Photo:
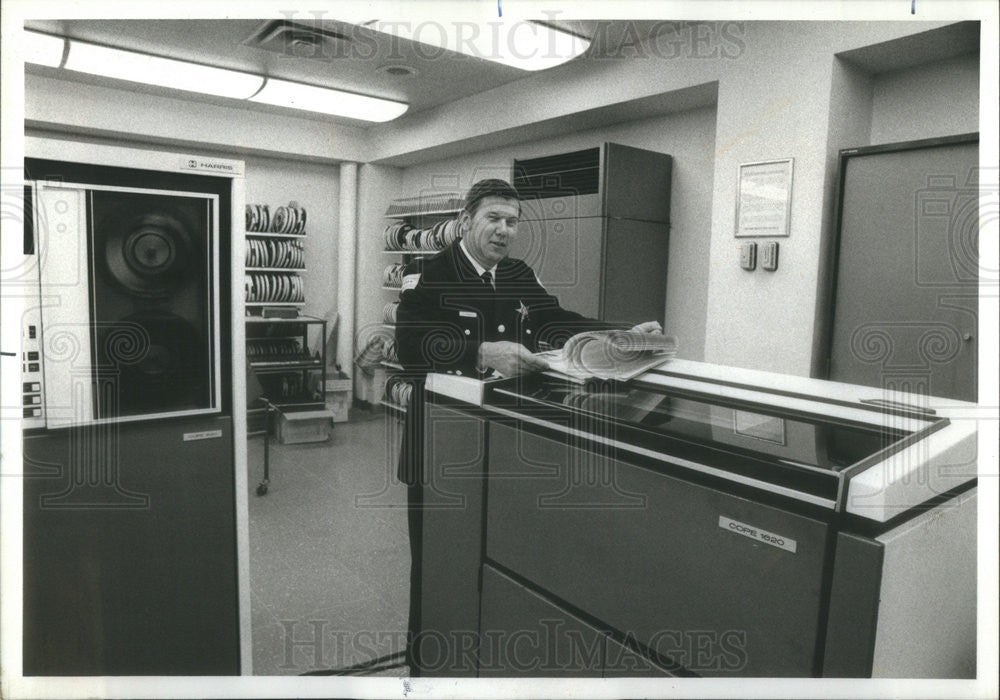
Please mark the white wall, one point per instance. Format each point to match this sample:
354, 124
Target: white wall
689, 138
929, 100
774, 104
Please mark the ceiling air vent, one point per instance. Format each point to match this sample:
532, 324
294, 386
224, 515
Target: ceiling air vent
300, 40
560, 175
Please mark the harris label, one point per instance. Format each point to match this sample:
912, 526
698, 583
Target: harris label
225, 167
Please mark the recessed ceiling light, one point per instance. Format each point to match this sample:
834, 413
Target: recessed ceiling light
121, 64
528, 45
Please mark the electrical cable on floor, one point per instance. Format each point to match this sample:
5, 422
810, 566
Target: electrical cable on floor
382, 663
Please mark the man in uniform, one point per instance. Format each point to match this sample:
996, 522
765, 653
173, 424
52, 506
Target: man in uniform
472, 311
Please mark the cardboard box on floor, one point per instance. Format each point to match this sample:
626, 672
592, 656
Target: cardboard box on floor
338, 397
304, 426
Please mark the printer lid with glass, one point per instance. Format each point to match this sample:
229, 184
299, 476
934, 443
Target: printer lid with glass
799, 446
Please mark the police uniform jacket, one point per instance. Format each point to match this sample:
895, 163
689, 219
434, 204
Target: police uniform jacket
446, 311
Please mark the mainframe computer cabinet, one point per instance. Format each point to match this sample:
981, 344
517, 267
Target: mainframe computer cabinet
595, 227
134, 490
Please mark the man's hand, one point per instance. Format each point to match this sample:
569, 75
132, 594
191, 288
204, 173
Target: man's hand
509, 359
648, 327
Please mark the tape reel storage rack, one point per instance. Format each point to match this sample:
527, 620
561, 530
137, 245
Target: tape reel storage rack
278, 335
417, 227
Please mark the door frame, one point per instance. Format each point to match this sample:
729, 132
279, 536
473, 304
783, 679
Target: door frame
826, 307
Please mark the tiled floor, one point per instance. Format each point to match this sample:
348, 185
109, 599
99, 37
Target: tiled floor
329, 554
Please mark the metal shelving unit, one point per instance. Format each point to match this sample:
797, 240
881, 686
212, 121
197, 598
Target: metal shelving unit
292, 378
421, 213
278, 352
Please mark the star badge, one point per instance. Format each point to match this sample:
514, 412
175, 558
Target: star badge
523, 311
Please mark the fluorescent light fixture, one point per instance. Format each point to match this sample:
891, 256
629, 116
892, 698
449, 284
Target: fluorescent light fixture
527, 45
313, 98
165, 72
135, 67
43, 49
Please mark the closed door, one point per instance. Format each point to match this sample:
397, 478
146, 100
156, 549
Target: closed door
905, 306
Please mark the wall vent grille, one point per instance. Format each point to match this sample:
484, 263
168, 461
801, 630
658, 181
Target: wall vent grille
578, 172
299, 40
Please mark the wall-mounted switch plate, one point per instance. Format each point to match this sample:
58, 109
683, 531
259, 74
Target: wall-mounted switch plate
769, 256
748, 256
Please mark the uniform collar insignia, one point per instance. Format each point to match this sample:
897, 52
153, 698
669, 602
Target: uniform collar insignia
523, 310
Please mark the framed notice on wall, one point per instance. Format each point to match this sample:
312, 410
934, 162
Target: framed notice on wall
764, 198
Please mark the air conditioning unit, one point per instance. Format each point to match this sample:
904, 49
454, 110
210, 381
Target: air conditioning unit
595, 227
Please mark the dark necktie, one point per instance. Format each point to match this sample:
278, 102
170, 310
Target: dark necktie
490, 302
